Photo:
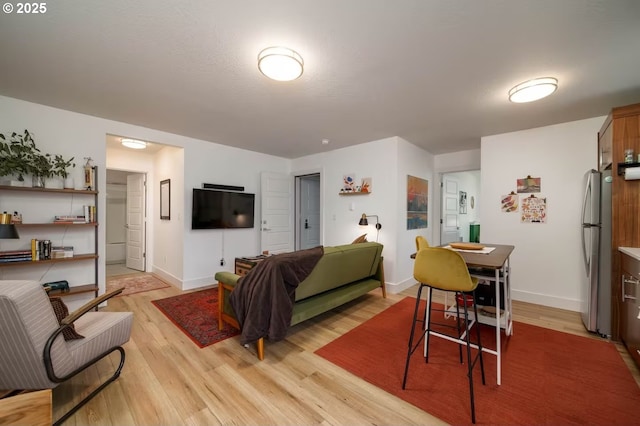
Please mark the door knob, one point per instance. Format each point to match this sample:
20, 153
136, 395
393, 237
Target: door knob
306, 224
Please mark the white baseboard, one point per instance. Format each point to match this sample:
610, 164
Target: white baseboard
546, 300
395, 288
167, 277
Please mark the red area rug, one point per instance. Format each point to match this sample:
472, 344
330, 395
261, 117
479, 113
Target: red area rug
548, 377
196, 314
136, 283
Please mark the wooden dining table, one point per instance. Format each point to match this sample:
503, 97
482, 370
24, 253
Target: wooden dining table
493, 267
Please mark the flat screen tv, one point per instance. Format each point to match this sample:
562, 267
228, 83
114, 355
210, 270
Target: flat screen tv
221, 209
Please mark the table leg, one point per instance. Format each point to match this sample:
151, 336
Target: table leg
498, 348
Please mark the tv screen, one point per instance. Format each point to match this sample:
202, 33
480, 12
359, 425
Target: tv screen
221, 209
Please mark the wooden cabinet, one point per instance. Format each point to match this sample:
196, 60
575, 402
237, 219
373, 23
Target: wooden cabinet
622, 129
38, 207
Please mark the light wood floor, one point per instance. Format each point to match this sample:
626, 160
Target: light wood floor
168, 380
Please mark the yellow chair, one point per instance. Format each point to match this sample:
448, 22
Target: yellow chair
421, 242
446, 270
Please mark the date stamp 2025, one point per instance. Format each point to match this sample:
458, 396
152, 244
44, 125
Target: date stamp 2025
24, 8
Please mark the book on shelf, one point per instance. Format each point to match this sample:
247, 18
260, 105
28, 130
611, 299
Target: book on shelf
90, 213
60, 252
70, 219
40, 249
15, 256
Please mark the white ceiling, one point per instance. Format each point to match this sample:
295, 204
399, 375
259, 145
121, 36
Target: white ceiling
434, 72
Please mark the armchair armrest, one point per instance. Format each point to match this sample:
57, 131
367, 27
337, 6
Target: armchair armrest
73, 316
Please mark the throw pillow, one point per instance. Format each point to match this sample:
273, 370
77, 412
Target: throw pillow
361, 239
61, 312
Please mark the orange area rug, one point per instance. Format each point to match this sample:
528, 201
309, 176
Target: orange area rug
135, 283
548, 377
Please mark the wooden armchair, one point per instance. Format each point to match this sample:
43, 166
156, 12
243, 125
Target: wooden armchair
34, 350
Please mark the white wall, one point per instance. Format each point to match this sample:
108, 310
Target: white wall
73, 134
547, 261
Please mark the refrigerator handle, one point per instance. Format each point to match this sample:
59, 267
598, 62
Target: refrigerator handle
584, 208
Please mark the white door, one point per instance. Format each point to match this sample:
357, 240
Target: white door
450, 231
309, 218
135, 221
276, 223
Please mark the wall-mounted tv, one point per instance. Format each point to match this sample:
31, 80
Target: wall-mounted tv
221, 209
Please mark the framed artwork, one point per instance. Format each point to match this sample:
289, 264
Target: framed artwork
165, 199
417, 195
349, 182
463, 202
534, 210
509, 203
528, 185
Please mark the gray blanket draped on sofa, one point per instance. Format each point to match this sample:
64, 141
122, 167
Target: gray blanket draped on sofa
263, 299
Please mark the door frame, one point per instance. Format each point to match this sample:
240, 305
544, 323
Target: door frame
297, 220
145, 241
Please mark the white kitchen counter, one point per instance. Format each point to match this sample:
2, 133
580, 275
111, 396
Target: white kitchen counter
631, 251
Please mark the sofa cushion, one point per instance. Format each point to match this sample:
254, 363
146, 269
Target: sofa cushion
341, 265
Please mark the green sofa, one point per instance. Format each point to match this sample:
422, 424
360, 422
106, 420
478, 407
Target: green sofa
342, 274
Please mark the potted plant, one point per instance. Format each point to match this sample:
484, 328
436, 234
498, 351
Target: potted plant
41, 167
15, 154
60, 166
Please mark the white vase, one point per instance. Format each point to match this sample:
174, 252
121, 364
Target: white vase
37, 181
69, 183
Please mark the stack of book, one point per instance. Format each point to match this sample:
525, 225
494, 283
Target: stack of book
15, 256
90, 213
69, 219
40, 249
59, 252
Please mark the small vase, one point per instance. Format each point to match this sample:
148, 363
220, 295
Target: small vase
37, 181
69, 183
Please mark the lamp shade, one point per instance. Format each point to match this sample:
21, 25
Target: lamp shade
363, 220
533, 90
280, 63
8, 232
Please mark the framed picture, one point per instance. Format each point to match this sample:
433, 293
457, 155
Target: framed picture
463, 202
417, 195
165, 199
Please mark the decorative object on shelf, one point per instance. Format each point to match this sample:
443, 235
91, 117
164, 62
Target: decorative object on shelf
366, 185
528, 185
534, 210
509, 203
165, 199
628, 155
417, 196
349, 182
15, 155
60, 167
89, 175
5, 218
463, 202
364, 222
41, 168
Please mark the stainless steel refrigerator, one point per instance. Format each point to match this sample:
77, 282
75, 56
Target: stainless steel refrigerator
596, 250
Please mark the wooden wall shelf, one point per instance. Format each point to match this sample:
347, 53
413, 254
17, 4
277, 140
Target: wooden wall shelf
623, 166
354, 193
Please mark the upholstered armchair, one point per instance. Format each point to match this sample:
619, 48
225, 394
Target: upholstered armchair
38, 351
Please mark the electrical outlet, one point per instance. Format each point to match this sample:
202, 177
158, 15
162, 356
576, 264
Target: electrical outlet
222, 262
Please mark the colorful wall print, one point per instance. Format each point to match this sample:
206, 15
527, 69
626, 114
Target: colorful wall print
509, 203
417, 194
534, 210
366, 185
528, 185
349, 182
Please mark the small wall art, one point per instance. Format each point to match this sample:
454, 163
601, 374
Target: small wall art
349, 182
534, 210
509, 202
417, 196
463, 202
165, 199
366, 185
528, 185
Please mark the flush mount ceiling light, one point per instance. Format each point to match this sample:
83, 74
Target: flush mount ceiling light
280, 63
533, 90
135, 144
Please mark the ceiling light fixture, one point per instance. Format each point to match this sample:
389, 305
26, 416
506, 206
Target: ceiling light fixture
533, 90
280, 63
135, 144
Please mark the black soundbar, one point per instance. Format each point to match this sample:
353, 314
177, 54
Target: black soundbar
222, 187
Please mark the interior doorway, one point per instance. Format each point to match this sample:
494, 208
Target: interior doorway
460, 198
125, 241
307, 218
